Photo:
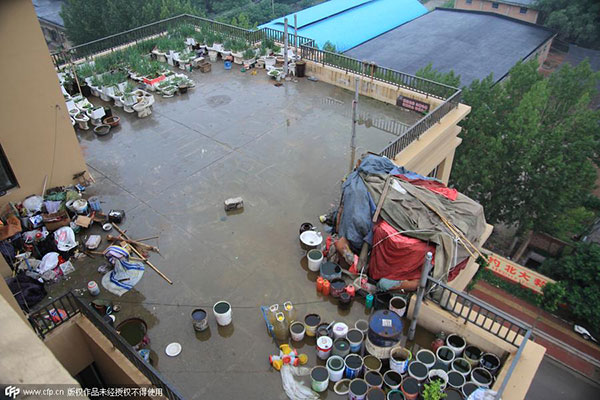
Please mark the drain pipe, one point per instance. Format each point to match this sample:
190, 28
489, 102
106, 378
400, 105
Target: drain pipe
297, 53
420, 295
285, 47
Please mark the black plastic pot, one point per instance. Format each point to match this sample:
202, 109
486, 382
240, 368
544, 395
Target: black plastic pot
86, 91
107, 112
300, 68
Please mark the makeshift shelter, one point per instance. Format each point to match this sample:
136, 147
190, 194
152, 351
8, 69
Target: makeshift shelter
408, 225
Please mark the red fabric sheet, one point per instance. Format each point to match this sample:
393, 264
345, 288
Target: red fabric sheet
434, 186
400, 257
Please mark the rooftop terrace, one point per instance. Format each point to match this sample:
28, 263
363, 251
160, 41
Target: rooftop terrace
284, 150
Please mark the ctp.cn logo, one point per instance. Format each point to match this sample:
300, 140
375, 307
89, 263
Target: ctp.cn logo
12, 392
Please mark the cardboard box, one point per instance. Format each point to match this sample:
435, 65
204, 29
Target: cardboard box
56, 220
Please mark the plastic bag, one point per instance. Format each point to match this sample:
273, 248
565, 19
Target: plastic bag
49, 261
52, 206
296, 390
33, 204
67, 267
65, 238
483, 394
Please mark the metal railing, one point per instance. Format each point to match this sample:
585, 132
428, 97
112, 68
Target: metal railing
382, 74
49, 316
415, 131
483, 315
450, 95
148, 31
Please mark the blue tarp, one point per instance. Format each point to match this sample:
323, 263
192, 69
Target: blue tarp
348, 23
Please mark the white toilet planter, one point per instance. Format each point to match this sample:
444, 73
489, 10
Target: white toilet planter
82, 121
269, 61
143, 107
96, 115
238, 57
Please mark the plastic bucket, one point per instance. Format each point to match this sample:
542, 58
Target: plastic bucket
335, 366
341, 347
311, 321
80, 206
456, 380
399, 359
319, 379
374, 379
490, 361
461, 366
340, 330
445, 355
133, 330
372, 363
222, 310
354, 365
362, 325
395, 395
315, 258
93, 288
439, 375
418, 370
358, 389
324, 345
375, 393
468, 388
398, 305
473, 354
297, 331
410, 388
392, 380
426, 357
199, 319
355, 338
456, 343
481, 377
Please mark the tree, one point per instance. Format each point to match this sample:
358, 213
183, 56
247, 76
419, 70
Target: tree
83, 24
575, 20
578, 276
428, 72
529, 145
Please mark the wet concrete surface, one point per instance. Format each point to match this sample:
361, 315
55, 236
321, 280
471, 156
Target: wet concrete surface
284, 150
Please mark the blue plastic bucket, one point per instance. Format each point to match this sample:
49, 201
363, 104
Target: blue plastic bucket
354, 365
227, 64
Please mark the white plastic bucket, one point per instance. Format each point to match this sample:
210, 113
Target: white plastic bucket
335, 366
445, 355
399, 359
358, 389
222, 310
297, 331
398, 305
355, 338
319, 379
315, 259
340, 330
456, 343
324, 345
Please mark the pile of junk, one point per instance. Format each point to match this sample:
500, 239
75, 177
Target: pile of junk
42, 236
388, 219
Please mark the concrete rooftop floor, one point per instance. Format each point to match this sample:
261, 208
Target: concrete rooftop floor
284, 150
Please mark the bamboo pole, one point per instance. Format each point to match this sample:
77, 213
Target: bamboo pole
141, 256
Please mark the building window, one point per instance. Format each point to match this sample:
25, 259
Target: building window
523, 10
7, 178
469, 1
494, 5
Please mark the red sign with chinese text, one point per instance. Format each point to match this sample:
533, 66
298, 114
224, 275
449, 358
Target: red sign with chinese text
517, 273
412, 104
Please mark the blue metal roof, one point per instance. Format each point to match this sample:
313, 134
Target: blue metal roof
348, 23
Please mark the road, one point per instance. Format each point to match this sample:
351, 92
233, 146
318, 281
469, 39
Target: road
554, 381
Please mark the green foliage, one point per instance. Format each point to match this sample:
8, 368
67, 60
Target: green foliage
571, 222
529, 143
576, 20
450, 78
249, 54
513, 288
554, 295
448, 4
330, 47
578, 277
433, 391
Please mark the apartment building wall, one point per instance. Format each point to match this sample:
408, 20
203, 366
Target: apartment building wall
37, 137
510, 10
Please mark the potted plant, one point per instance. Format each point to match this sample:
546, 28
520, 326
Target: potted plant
96, 83
249, 56
82, 121
433, 391
226, 49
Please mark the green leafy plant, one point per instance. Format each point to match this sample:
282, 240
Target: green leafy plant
433, 391
249, 54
